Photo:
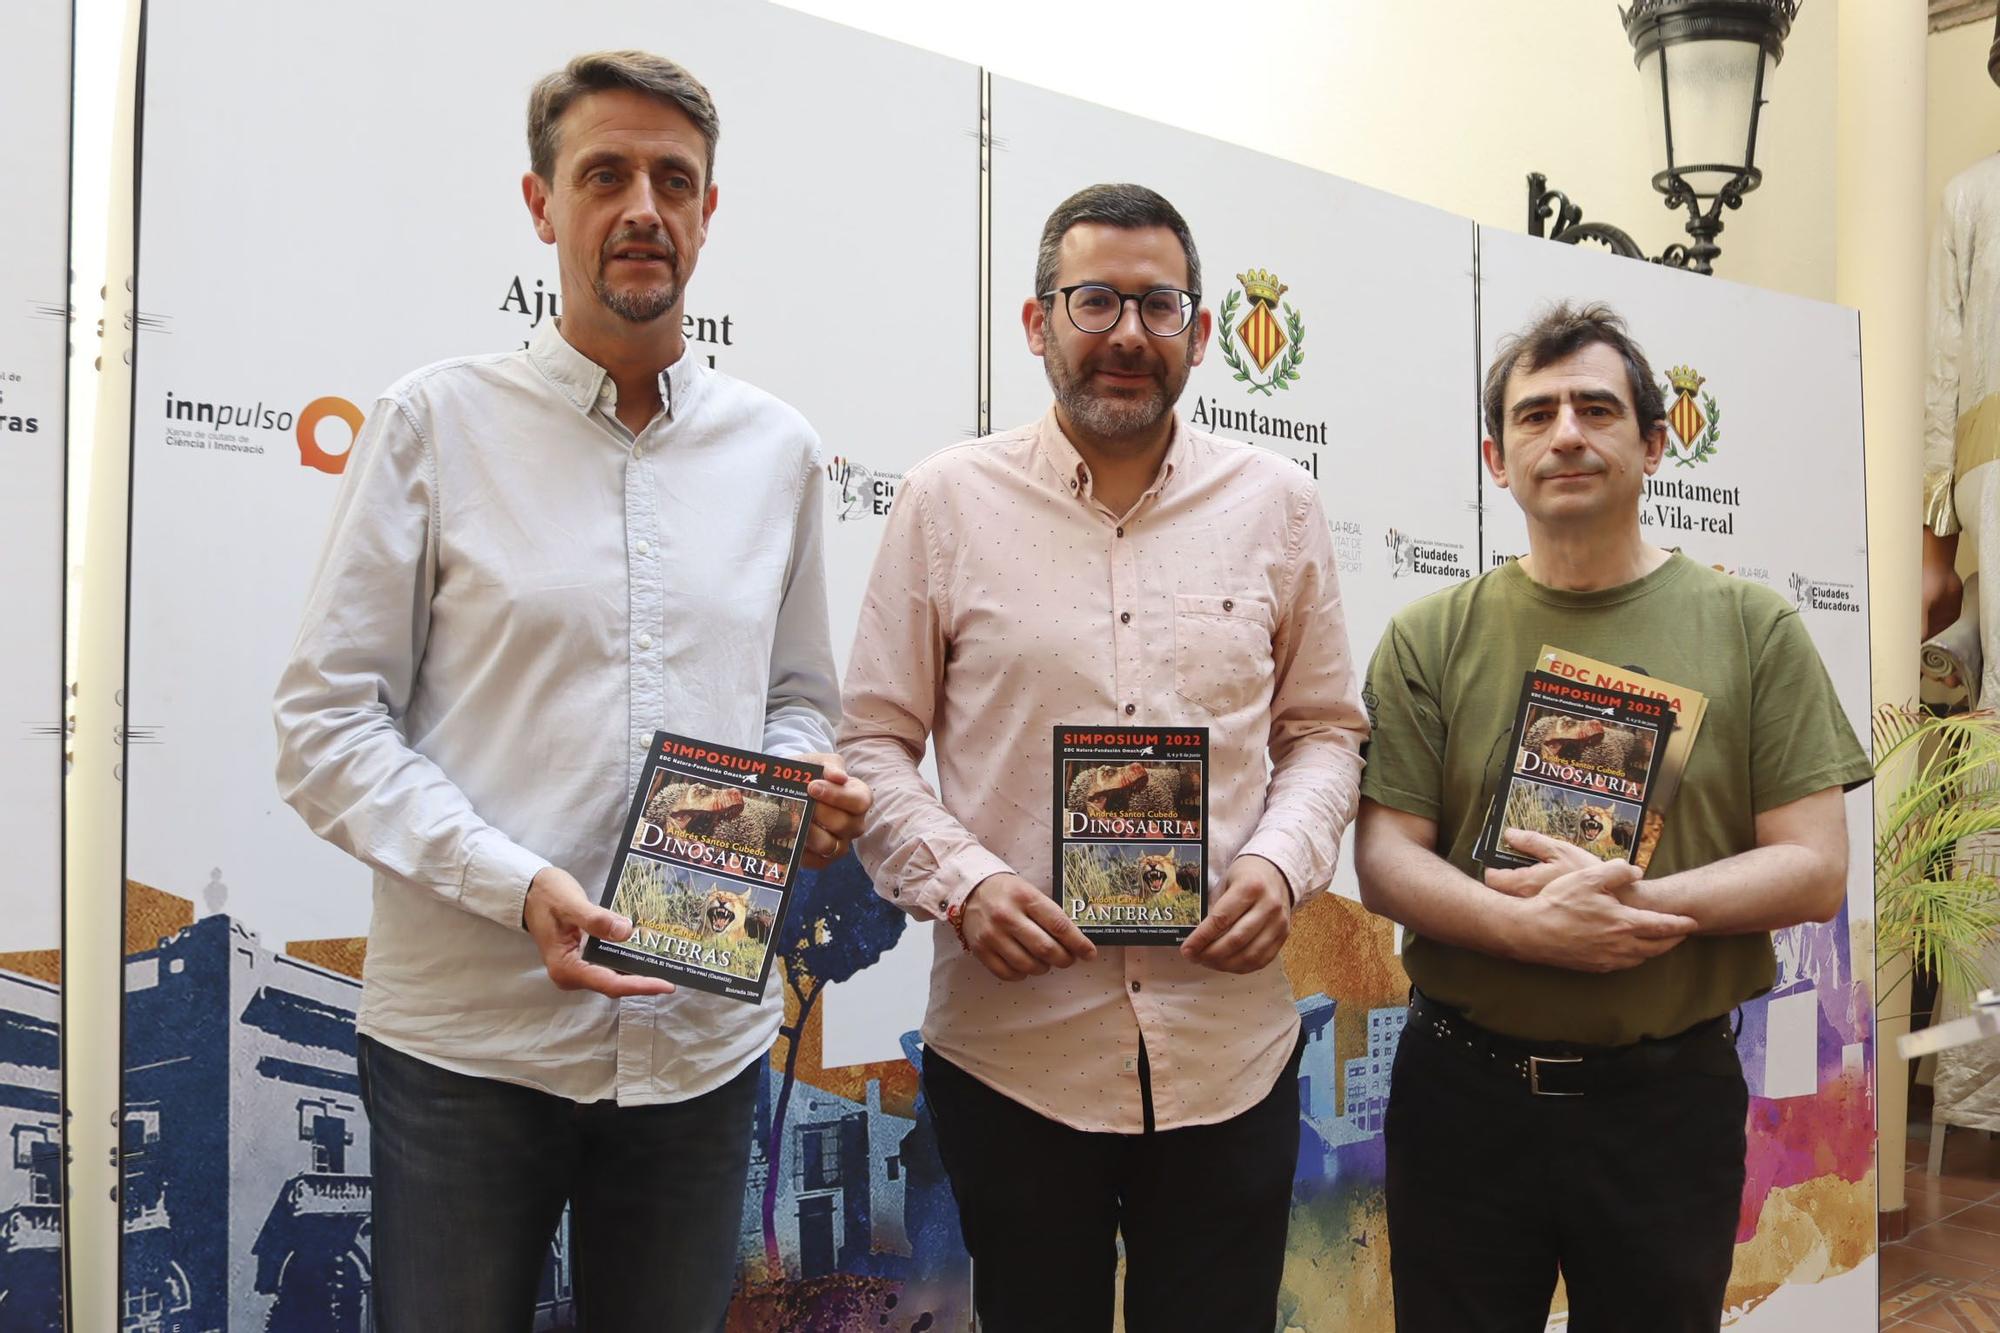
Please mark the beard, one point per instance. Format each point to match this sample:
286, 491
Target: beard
1111, 417
646, 304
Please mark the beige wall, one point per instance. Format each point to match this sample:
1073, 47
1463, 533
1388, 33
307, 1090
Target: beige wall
1451, 102
1962, 117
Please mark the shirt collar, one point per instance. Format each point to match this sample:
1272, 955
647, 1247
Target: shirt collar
1073, 474
588, 386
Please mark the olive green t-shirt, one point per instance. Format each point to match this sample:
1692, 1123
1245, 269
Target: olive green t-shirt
1442, 693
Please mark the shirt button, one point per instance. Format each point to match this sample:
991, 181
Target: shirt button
1135, 988
1124, 617
1228, 605
1131, 709
645, 548
645, 641
1121, 532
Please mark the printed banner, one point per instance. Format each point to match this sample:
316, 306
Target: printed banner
842, 273
1343, 325
1762, 479
1342, 341
34, 353
383, 230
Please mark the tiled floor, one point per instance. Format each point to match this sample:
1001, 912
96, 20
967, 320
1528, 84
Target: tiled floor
1946, 1273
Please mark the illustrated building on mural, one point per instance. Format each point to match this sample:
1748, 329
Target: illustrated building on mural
1341, 1136
31, 1174
842, 1187
243, 1134
243, 1128
1368, 1075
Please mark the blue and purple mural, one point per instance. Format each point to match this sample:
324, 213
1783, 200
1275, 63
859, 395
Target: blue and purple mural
31, 1172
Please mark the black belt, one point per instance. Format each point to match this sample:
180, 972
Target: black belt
1554, 1069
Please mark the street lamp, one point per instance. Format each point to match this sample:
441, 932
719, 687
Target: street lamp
1707, 66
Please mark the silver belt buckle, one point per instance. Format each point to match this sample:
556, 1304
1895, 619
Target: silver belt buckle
1535, 1063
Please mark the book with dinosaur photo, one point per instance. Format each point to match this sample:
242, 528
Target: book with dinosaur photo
706, 867
1583, 767
1690, 707
1131, 831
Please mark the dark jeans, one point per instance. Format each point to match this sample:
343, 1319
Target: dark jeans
471, 1176
1632, 1192
1203, 1210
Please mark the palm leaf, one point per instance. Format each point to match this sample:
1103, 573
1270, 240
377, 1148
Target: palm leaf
1936, 895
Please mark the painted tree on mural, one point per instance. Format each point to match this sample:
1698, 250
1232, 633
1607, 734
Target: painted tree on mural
839, 925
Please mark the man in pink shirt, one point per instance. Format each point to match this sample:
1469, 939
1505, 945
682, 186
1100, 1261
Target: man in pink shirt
1108, 565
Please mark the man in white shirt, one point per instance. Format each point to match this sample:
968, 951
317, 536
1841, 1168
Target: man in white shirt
537, 559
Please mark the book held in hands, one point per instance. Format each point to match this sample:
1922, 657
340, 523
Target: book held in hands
1583, 762
1131, 831
1689, 707
706, 868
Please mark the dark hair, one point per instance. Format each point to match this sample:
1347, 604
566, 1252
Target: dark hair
1128, 206
603, 71
1560, 331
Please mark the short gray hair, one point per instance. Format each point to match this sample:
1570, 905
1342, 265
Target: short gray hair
603, 71
1128, 206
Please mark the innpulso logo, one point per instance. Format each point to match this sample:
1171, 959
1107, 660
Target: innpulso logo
231, 426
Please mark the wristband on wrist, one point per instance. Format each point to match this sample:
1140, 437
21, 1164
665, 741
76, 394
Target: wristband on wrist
955, 914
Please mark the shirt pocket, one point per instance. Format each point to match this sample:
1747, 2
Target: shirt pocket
1222, 649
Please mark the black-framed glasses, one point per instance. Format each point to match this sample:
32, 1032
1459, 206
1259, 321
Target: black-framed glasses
1096, 308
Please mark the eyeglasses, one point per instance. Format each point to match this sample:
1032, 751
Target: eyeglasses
1096, 308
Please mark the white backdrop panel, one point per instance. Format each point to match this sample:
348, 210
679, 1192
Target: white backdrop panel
368, 220
1779, 496
1381, 408
34, 333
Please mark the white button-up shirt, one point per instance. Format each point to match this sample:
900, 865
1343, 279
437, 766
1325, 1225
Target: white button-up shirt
516, 592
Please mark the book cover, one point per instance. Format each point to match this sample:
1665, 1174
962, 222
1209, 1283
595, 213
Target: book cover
1131, 831
1583, 763
706, 866
1690, 707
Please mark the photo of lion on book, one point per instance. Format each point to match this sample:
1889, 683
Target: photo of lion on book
1604, 827
1152, 876
696, 919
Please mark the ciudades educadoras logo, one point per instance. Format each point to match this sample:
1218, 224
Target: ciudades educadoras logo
1817, 595
860, 492
1274, 347
1419, 555
1697, 428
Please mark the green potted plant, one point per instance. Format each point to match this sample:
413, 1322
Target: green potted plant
1934, 909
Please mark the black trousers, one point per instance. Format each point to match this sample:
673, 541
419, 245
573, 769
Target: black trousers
1203, 1209
470, 1177
1631, 1191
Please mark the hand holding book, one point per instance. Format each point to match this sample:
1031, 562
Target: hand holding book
1248, 922
1553, 859
839, 801
560, 917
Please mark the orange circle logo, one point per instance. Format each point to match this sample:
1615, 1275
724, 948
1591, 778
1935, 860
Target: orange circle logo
318, 410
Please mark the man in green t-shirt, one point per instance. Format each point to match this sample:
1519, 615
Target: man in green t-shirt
1567, 1095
